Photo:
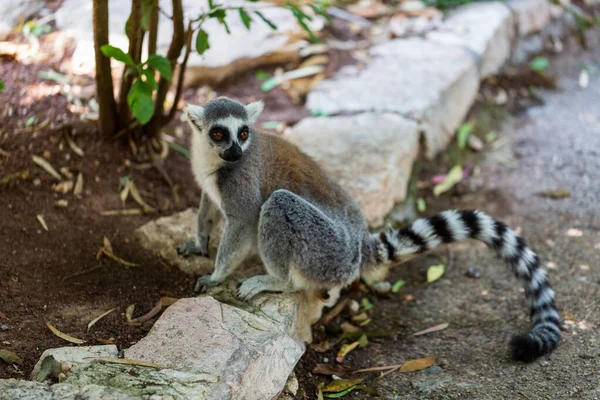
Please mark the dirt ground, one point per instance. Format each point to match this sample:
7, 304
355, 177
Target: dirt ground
554, 146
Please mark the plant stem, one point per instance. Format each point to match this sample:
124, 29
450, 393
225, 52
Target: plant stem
182, 68
135, 43
104, 82
153, 29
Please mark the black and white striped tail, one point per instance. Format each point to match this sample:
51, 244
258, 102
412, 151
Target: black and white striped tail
454, 226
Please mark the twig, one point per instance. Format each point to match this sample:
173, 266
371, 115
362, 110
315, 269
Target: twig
82, 272
376, 369
335, 311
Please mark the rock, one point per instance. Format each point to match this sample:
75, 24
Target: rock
430, 384
13, 389
14, 11
76, 355
374, 165
382, 287
245, 49
248, 352
474, 273
532, 15
468, 384
3, 327
487, 29
164, 235
429, 82
435, 370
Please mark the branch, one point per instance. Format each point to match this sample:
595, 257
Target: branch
182, 68
104, 82
135, 44
153, 29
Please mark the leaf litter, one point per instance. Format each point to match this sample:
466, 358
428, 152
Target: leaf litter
10, 357
46, 166
64, 336
435, 272
436, 328
108, 251
93, 322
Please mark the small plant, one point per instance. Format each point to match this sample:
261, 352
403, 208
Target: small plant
139, 109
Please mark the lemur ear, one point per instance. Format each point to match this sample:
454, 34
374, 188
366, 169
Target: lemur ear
254, 110
194, 113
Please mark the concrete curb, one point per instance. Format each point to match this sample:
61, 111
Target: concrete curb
431, 81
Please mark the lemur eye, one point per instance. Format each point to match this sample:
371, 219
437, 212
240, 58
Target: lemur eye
244, 134
217, 135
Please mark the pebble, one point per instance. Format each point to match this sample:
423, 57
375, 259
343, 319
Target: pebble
435, 370
474, 273
3, 327
325, 359
353, 308
382, 287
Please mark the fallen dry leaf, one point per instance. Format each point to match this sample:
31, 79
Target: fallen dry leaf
344, 350
46, 166
335, 311
138, 198
64, 336
321, 347
76, 149
326, 369
63, 187
348, 327
108, 251
106, 341
16, 176
40, 218
129, 315
418, 365
435, 272
128, 211
92, 322
556, 194
10, 357
78, 186
436, 328
340, 385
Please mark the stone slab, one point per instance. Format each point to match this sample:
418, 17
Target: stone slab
74, 354
369, 154
249, 354
17, 389
532, 15
12, 12
487, 29
431, 83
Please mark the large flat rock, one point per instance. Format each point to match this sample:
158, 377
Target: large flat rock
14, 11
249, 353
487, 29
228, 54
429, 82
18, 389
369, 154
532, 15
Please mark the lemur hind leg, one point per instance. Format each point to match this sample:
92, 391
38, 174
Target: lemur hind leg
300, 246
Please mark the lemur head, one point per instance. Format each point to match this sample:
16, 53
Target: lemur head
222, 126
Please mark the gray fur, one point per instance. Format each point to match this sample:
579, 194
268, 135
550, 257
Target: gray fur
222, 107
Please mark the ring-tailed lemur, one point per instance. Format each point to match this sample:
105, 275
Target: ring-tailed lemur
310, 234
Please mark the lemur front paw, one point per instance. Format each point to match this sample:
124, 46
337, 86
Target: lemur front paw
191, 248
205, 282
251, 287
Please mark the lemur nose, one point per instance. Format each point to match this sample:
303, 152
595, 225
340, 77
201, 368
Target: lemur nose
233, 153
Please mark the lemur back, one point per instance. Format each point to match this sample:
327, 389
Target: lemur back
308, 231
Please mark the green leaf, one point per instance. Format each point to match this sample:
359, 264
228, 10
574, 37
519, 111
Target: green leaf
539, 64
147, 6
140, 101
245, 17
453, 177
262, 75
117, 54
319, 113
46, 369
10, 357
366, 304
150, 80
202, 42
269, 84
397, 286
320, 10
211, 5
363, 341
340, 394
298, 11
161, 64
265, 20
31, 120
463, 134
179, 149
2, 86
301, 17
435, 272
421, 205
127, 27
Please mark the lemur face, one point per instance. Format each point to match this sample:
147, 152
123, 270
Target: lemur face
223, 126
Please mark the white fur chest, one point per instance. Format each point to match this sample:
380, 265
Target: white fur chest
204, 166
